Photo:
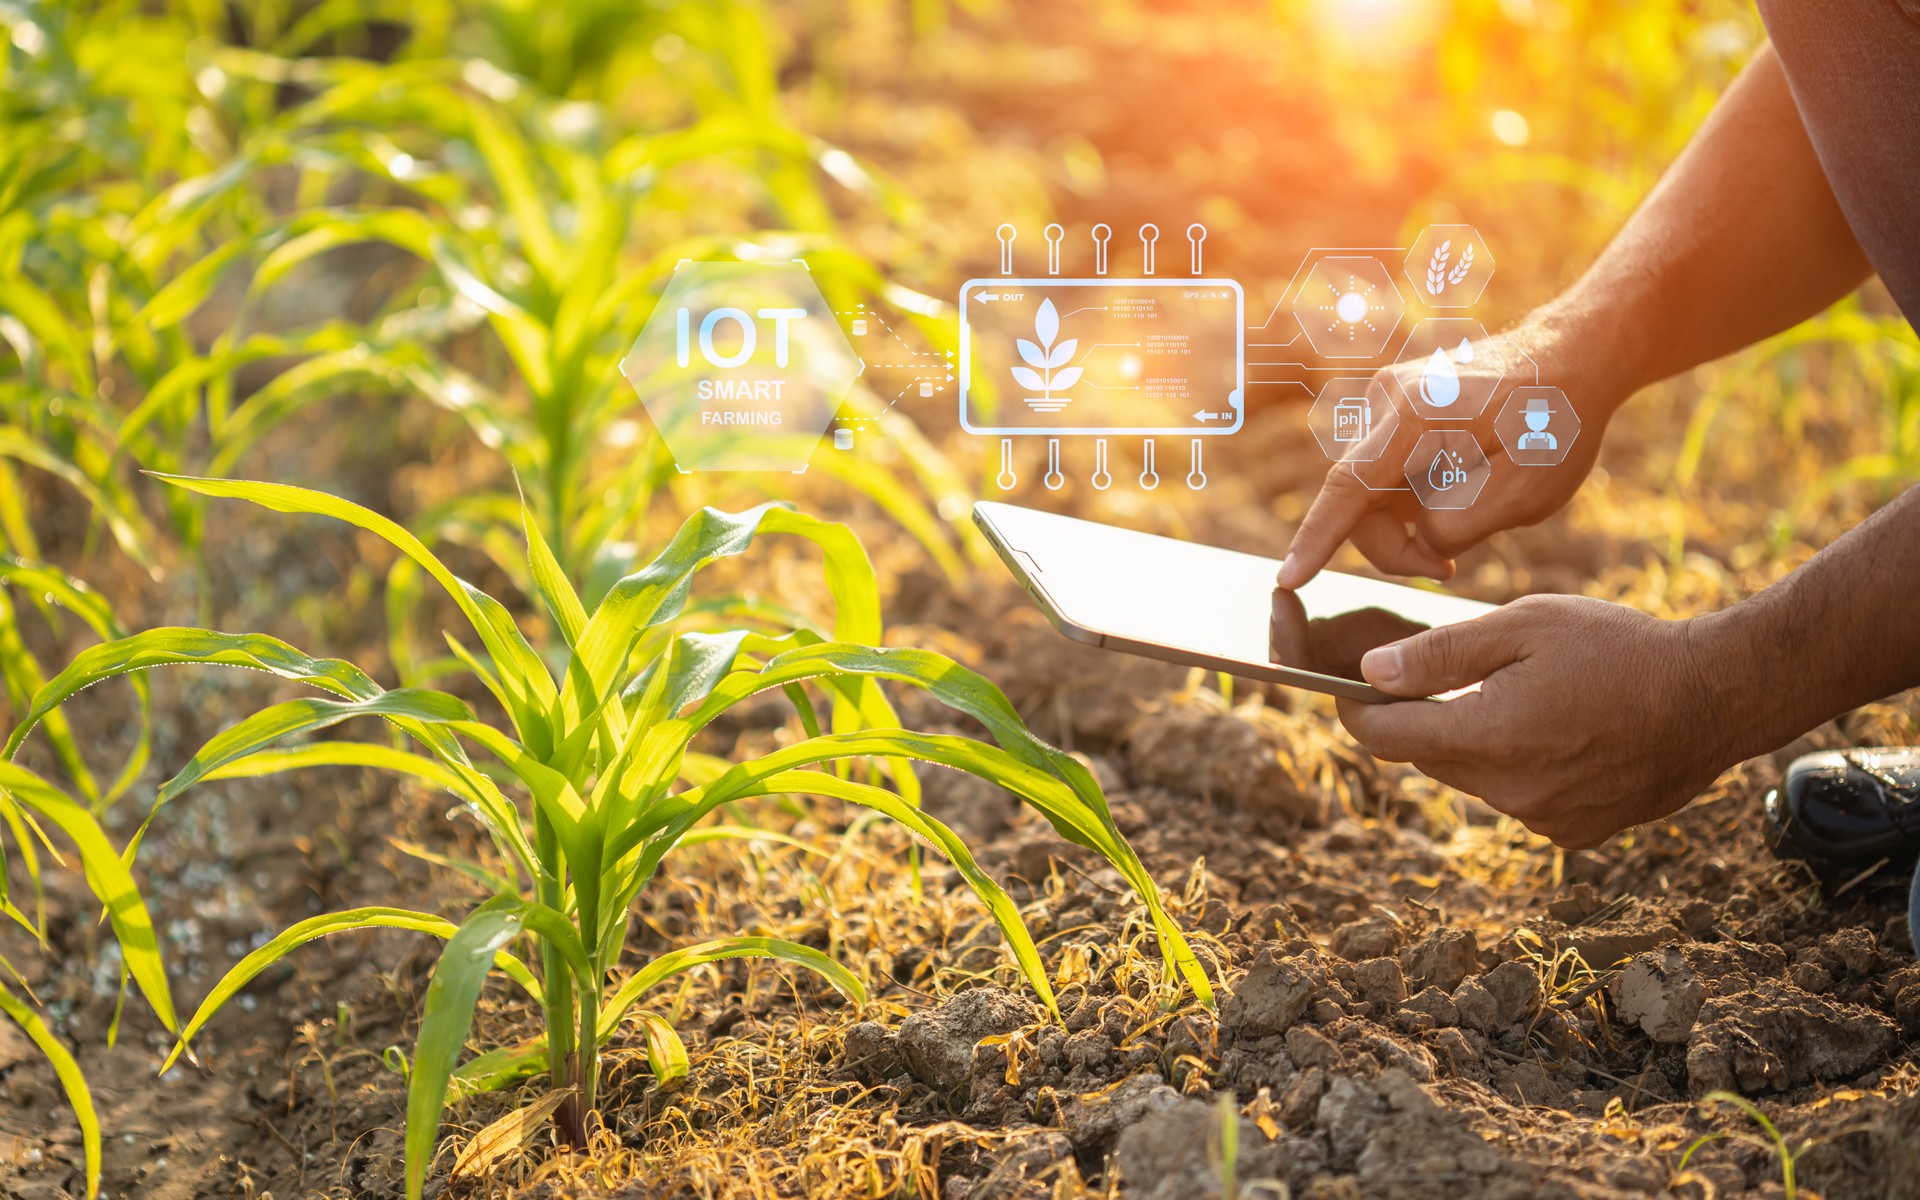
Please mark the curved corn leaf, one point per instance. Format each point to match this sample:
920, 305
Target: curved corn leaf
169, 646
56, 586
1060, 786
341, 754
524, 676
294, 717
112, 884
673, 962
72, 1082
243, 972
448, 1013
948, 844
666, 1053
503, 1066
123, 519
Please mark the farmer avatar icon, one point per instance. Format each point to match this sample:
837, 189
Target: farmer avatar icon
1538, 413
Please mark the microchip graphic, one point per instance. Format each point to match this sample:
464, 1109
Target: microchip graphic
1064, 357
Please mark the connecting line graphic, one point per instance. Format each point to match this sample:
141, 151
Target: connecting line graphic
932, 373
1308, 257
1098, 345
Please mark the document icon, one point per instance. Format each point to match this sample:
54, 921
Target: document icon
1352, 418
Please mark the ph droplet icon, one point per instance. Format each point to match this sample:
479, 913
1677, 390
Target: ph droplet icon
1439, 383
1464, 354
1446, 470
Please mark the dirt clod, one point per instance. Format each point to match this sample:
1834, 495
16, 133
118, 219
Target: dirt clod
938, 1045
1274, 994
1498, 999
1776, 1037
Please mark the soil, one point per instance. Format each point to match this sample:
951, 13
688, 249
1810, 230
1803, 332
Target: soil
1418, 998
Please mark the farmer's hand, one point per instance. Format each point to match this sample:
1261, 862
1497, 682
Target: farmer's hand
1591, 717
1365, 499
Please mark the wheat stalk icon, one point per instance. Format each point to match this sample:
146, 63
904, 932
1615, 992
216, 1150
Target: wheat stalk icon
1047, 371
1438, 277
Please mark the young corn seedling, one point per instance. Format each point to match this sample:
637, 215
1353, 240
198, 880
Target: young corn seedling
599, 753
30, 806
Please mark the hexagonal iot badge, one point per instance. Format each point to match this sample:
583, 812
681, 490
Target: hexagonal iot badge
1450, 368
1448, 266
741, 367
1447, 468
1352, 418
1537, 426
1348, 307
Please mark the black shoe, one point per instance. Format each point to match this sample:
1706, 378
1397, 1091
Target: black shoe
1847, 810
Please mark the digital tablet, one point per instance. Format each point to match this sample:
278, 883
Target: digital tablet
1204, 606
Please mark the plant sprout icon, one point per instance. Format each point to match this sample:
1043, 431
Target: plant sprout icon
1047, 371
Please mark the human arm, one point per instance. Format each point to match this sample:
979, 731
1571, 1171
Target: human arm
1593, 717
1740, 239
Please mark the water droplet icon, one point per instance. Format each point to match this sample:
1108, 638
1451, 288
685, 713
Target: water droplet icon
1465, 353
1439, 383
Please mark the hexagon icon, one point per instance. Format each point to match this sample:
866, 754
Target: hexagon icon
741, 366
1449, 369
1348, 307
1351, 418
1447, 468
1537, 426
1448, 266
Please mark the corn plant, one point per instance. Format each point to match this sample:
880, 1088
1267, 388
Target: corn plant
554, 225
29, 807
600, 752
30, 803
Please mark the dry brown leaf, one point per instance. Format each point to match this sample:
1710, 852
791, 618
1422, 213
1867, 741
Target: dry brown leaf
507, 1134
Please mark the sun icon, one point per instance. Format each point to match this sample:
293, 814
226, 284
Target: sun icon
1347, 307
1351, 306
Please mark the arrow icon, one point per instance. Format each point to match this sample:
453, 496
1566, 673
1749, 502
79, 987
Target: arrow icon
1204, 415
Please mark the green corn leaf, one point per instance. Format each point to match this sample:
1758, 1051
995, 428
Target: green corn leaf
522, 674
317, 231
295, 717
40, 580
666, 1053
188, 290
1062, 788
341, 754
67, 1069
107, 876
561, 600
943, 840
448, 1013
655, 593
675, 961
247, 969
498, 1068
123, 519
169, 646
505, 153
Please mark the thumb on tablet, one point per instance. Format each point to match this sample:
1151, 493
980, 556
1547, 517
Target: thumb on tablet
1446, 657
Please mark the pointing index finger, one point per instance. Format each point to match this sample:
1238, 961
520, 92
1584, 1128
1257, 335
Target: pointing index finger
1336, 512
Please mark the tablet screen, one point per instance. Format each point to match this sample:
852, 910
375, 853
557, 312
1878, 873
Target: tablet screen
1210, 603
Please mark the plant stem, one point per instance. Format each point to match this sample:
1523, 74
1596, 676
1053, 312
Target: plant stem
570, 1118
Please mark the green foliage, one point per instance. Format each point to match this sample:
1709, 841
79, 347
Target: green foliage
30, 807
597, 751
1773, 1143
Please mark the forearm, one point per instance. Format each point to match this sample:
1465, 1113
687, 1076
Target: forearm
1837, 633
1741, 239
